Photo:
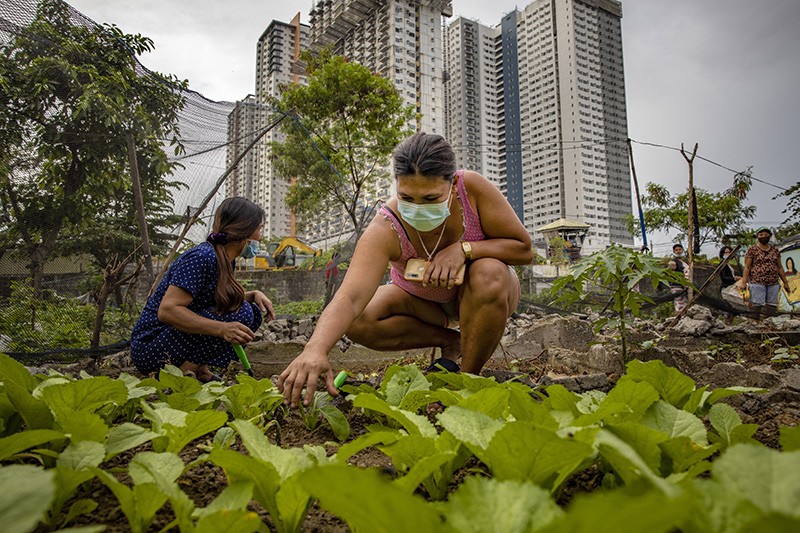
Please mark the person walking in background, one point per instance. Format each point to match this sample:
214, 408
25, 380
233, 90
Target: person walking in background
763, 271
443, 223
199, 309
727, 275
677, 264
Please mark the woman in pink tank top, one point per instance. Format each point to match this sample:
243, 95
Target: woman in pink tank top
453, 219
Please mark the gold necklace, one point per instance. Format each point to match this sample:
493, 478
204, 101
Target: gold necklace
430, 254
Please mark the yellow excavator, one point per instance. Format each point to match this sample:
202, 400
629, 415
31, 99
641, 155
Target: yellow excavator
285, 255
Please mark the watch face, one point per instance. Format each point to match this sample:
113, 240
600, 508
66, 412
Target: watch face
467, 247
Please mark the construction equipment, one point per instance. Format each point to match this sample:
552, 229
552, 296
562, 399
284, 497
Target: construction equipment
285, 255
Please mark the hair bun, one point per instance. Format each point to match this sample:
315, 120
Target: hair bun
217, 238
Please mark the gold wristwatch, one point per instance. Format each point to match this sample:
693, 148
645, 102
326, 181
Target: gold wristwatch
467, 247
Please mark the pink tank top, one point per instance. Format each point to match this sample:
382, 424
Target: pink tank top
472, 232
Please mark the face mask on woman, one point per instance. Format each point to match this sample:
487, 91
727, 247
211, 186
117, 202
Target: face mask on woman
250, 249
425, 217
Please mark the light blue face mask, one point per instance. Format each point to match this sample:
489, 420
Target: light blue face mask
425, 217
250, 250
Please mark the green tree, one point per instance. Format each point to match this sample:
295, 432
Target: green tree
790, 226
347, 118
616, 271
719, 214
71, 93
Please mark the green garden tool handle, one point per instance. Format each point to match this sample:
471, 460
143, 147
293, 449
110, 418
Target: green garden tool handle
243, 358
340, 378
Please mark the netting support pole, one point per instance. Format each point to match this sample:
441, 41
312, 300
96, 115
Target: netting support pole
139, 203
191, 221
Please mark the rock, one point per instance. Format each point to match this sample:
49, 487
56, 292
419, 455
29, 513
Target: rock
502, 376
727, 375
592, 382
568, 382
698, 312
790, 325
763, 376
556, 331
790, 379
691, 326
305, 327
779, 320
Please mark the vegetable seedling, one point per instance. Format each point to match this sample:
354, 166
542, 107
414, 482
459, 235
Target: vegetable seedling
243, 358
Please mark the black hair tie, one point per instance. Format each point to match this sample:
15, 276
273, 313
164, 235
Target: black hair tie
217, 238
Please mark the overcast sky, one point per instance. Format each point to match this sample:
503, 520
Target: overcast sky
721, 73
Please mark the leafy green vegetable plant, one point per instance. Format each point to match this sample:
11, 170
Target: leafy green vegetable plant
321, 409
616, 271
273, 472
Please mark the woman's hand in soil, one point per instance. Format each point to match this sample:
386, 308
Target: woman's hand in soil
236, 333
305, 371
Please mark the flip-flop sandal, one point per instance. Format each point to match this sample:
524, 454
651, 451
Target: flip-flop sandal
444, 363
213, 377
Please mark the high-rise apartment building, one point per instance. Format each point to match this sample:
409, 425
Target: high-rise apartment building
255, 177
400, 40
473, 97
560, 119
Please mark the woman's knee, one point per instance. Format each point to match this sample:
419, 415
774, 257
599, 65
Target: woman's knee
488, 278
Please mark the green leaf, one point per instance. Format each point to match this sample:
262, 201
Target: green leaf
644, 440
417, 399
126, 436
197, 424
411, 422
482, 504
350, 493
675, 422
366, 440
82, 455
470, 427
560, 399
638, 509
230, 521
671, 385
492, 402
684, 453
19, 442
696, 400
718, 394
400, 380
790, 438
145, 467
84, 395
724, 419
424, 469
718, 508
521, 451
338, 422
765, 477
628, 464
286, 462
263, 476
79, 507
83, 425
25, 494
235, 496
12, 371
35, 412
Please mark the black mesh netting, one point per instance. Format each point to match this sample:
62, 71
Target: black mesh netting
54, 319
